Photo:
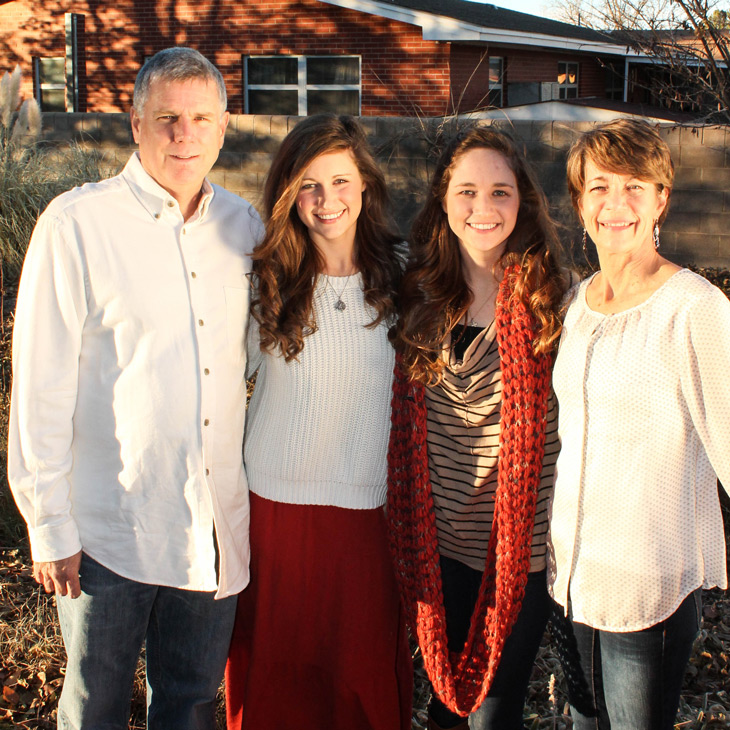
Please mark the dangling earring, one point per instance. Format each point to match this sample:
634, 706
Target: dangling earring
656, 235
585, 242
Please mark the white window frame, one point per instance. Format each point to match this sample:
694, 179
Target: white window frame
563, 86
41, 86
302, 87
75, 24
499, 85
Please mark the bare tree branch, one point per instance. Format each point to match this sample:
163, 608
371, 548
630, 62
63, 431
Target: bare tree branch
687, 40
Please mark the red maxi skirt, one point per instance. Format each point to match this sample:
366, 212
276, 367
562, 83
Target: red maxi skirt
319, 641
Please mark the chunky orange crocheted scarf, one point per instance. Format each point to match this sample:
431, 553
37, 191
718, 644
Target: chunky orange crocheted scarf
462, 681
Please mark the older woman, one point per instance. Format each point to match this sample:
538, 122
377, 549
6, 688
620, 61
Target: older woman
641, 378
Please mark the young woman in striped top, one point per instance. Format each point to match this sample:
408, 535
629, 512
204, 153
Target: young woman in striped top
474, 438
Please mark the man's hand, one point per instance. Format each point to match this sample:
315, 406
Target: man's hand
61, 576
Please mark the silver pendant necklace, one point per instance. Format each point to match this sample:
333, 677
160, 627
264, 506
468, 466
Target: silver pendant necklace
340, 306
472, 321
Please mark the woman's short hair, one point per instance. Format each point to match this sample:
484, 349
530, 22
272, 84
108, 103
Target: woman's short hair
626, 147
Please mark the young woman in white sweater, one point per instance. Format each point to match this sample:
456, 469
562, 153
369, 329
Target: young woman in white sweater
320, 639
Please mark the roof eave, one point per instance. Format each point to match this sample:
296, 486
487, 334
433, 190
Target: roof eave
445, 29
472, 33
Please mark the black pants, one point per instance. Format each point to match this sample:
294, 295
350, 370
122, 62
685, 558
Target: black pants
503, 707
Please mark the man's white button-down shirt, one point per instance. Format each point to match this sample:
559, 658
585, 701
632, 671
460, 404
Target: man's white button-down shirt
128, 400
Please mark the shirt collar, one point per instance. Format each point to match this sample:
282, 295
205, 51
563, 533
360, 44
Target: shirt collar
153, 197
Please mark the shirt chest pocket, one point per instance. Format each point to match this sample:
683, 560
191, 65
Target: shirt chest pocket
236, 318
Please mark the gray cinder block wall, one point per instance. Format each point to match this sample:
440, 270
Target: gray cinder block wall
697, 230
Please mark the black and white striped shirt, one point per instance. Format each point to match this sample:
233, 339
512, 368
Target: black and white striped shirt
463, 447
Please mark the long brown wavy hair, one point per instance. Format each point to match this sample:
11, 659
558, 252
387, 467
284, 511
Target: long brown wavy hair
434, 294
286, 263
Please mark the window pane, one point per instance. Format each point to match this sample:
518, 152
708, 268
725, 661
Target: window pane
572, 92
333, 70
53, 100
273, 102
339, 102
494, 97
614, 81
495, 70
53, 70
282, 70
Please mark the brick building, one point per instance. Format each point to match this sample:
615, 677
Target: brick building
298, 57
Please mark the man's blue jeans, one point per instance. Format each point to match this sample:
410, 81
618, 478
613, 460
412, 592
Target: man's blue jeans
187, 634
634, 679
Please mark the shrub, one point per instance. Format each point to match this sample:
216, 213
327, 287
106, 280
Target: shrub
32, 173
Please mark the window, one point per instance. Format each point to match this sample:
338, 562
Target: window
496, 76
615, 81
59, 81
302, 85
567, 80
50, 83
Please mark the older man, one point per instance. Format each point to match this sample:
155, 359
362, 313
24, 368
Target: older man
128, 407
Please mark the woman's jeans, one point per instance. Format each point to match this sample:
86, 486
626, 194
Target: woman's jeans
503, 707
187, 634
633, 680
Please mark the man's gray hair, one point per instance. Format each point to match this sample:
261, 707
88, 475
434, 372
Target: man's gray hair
176, 64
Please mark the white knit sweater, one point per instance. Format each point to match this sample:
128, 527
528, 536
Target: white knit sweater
318, 427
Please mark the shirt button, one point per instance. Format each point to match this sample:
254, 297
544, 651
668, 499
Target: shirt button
207, 472
200, 322
206, 422
184, 231
170, 204
206, 371
193, 274
157, 216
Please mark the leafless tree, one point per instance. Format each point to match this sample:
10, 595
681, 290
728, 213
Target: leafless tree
688, 40
617, 14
